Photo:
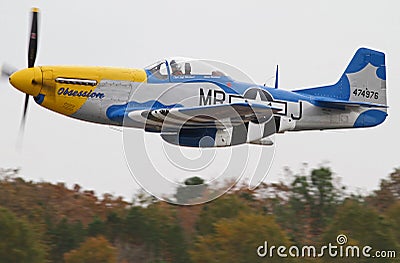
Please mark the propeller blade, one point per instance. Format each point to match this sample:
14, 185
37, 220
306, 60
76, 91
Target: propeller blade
7, 70
32, 51
22, 127
33, 39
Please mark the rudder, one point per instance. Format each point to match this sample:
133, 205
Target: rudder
366, 75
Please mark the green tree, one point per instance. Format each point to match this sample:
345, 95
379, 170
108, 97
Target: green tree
96, 227
113, 226
135, 225
93, 250
63, 237
157, 227
237, 240
194, 181
164, 236
19, 242
361, 225
297, 215
393, 215
325, 197
227, 206
311, 205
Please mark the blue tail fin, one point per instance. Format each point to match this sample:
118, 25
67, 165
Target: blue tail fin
364, 80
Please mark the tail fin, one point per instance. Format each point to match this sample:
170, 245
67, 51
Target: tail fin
364, 80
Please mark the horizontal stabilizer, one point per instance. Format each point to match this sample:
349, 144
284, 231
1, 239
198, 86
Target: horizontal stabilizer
328, 102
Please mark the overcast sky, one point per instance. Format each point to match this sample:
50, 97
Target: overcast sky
312, 41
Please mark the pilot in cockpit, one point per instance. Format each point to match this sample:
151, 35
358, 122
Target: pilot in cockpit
176, 69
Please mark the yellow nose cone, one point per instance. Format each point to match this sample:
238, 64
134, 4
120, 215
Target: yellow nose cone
28, 80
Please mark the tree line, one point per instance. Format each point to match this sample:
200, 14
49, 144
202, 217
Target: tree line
44, 222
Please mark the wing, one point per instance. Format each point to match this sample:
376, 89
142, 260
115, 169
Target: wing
217, 116
211, 125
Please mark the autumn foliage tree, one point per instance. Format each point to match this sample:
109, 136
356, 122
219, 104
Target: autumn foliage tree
227, 206
388, 192
93, 250
237, 239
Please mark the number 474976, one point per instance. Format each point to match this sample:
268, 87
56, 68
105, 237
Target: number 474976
366, 93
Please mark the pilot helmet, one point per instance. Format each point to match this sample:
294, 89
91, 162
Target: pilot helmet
174, 65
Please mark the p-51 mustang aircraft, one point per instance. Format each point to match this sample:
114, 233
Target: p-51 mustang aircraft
190, 105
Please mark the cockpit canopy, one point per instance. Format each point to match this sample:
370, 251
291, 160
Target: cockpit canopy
185, 69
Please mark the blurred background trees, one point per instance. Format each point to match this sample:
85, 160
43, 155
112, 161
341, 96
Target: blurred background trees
44, 222
20, 240
93, 250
